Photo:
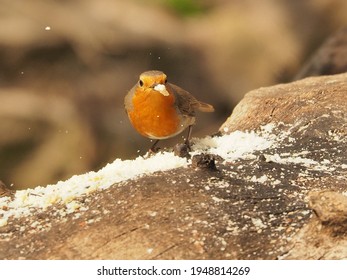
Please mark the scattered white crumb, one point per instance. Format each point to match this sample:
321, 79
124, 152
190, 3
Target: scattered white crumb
153, 214
261, 179
217, 200
257, 222
222, 185
72, 206
234, 146
35, 224
306, 212
285, 160
146, 226
3, 222
268, 128
149, 250
47, 28
65, 192
77, 215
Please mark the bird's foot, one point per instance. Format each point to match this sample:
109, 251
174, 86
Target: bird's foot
151, 152
182, 150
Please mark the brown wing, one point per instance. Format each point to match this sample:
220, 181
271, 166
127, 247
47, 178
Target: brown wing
187, 103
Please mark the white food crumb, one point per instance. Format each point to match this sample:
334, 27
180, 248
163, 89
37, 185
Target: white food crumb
162, 89
276, 182
258, 223
261, 179
230, 147
237, 145
216, 199
28, 200
153, 214
149, 250
72, 206
35, 224
295, 160
3, 222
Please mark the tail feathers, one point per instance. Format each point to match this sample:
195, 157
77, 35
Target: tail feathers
204, 107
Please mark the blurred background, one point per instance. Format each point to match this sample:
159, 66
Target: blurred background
65, 67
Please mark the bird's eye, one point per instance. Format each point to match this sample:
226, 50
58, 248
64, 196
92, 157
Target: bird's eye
141, 83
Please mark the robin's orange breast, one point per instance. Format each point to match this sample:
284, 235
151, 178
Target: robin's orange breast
154, 115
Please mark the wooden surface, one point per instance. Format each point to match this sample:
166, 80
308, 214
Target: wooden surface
228, 213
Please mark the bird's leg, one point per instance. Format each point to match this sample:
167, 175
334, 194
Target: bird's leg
187, 141
154, 149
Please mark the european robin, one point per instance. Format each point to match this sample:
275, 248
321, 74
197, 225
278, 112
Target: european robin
160, 110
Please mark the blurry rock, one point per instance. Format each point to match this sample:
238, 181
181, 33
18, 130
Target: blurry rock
242, 47
324, 237
331, 57
330, 208
43, 139
299, 103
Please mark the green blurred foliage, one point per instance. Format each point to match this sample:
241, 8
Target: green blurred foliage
186, 7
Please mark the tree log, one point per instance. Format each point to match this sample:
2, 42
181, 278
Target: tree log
285, 201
